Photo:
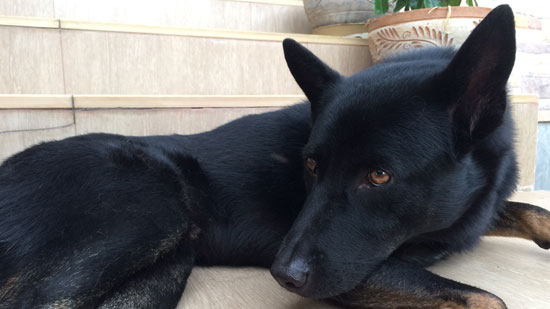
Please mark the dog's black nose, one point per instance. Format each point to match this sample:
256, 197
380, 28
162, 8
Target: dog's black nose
292, 276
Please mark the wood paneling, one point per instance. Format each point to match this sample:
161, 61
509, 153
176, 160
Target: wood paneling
338, 57
189, 101
278, 18
120, 59
29, 22
237, 15
206, 33
30, 60
129, 63
15, 120
524, 113
37, 8
20, 129
157, 121
121, 63
179, 13
9, 101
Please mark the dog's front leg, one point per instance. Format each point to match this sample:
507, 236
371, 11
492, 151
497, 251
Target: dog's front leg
524, 221
158, 286
400, 284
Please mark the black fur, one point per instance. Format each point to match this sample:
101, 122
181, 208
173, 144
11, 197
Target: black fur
439, 122
106, 219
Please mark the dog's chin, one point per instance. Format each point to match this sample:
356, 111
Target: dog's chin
322, 289
325, 291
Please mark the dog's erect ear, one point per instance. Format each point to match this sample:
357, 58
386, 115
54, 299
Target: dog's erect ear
311, 74
476, 77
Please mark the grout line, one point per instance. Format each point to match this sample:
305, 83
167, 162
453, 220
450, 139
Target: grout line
73, 109
39, 129
63, 73
62, 58
74, 115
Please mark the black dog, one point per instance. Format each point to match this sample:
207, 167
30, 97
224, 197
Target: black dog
395, 168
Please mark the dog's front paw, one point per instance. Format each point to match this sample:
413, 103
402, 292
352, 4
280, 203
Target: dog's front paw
475, 301
539, 223
484, 301
544, 244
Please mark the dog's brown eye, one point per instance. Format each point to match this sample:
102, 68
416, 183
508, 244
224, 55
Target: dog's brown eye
311, 165
379, 177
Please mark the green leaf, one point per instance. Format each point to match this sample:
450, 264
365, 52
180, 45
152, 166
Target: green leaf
416, 4
408, 7
475, 1
380, 6
470, 2
455, 2
399, 5
433, 3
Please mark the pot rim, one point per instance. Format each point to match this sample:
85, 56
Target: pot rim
425, 14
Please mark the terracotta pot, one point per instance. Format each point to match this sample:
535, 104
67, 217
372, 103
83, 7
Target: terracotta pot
398, 32
339, 17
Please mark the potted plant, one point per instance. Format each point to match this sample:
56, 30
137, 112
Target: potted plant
423, 23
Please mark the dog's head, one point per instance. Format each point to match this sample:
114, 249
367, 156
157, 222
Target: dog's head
385, 161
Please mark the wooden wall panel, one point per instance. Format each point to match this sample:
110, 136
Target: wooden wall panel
180, 13
17, 101
278, 18
30, 61
525, 116
347, 60
157, 121
214, 14
33, 120
20, 129
121, 63
131, 63
30, 8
